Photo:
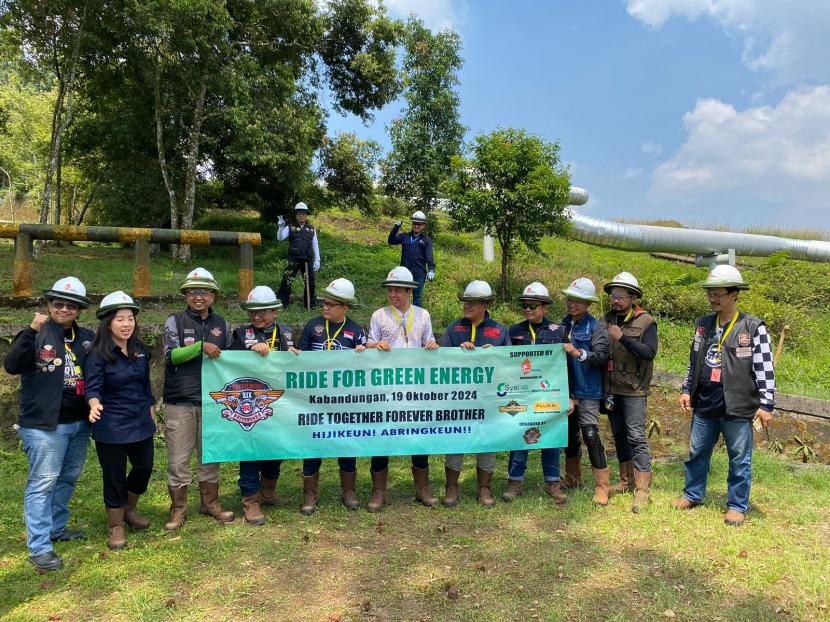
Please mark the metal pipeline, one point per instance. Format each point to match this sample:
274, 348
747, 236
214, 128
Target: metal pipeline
708, 244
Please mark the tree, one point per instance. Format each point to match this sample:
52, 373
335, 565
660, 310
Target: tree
347, 164
514, 187
429, 132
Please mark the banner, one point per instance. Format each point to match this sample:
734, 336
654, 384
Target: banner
373, 403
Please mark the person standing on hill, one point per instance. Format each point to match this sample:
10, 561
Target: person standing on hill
416, 252
303, 255
730, 383
633, 336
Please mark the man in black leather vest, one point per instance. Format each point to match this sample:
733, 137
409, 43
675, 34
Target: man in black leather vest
303, 255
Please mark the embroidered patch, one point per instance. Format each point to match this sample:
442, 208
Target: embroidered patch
492, 331
216, 331
348, 334
701, 331
743, 353
744, 339
249, 333
518, 338
553, 326
87, 345
189, 341
459, 328
47, 353
318, 330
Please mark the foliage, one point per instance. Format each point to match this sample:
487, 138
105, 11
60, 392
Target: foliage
429, 133
347, 164
514, 187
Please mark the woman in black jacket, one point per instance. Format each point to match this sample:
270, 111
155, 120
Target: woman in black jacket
120, 408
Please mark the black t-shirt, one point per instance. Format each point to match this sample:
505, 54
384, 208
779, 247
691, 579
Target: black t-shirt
343, 336
73, 406
710, 401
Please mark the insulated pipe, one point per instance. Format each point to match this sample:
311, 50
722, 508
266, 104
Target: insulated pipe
650, 238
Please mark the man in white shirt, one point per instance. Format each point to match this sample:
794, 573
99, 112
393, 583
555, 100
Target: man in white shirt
400, 324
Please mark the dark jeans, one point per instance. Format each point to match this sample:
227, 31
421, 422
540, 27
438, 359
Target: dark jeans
584, 421
117, 482
420, 279
381, 463
628, 424
294, 267
250, 472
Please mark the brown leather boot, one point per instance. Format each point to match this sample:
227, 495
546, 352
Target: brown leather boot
131, 516
733, 518
423, 494
485, 495
554, 489
642, 480
378, 499
250, 509
310, 494
602, 485
626, 483
115, 527
450, 499
347, 495
573, 473
268, 491
514, 490
684, 504
178, 508
209, 492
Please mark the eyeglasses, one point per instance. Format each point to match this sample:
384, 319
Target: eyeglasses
69, 306
328, 304
530, 306
620, 296
714, 296
196, 293
259, 312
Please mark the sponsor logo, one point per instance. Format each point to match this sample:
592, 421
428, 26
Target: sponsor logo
512, 408
246, 401
744, 339
527, 367
505, 388
546, 407
532, 436
544, 384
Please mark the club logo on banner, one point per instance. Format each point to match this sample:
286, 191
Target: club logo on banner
246, 401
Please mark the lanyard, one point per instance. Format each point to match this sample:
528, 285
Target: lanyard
473, 336
329, 338
532, 332
70, 355
630, 313
727, 331
273, 337
406, 327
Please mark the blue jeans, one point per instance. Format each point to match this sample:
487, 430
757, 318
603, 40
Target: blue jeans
420, 279
550, 464
249, 474
56, 459
738, 438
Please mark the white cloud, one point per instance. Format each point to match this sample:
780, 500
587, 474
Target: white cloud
779, 155
632, 173
651, 148
436, 14
787, 38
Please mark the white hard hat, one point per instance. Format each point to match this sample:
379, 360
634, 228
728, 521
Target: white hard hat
261, 297
477, 291
419, 216
115, 301
626, 280
70, 289
581, 289
301, 207
341, 290
725, 276
536, 291
400, 277
199, 278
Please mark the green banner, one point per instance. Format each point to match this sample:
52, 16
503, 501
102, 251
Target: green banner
373, 403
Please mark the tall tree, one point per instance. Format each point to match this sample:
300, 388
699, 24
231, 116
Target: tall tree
429, 133
514, 187
347, 165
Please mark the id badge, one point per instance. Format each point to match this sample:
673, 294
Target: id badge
610, 364
715, 375
80, 385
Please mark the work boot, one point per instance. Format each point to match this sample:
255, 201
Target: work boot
250, 510
450, 499
131, 516
178, 508
733, 518
115, 527
626, 483
46, 561
378, 499
423, 494
602, 485
268, 491
573, 473
514, 490
554, 489
642, 481
310, 494
347, 494
485, 495
684, 504
209, 492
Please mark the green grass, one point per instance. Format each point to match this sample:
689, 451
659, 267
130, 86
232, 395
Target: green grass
526, 560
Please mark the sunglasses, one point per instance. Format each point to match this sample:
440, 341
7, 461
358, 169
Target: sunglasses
69, 306
327, 304
530, 306
198, 292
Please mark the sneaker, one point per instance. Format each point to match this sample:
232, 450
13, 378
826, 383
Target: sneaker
46, 561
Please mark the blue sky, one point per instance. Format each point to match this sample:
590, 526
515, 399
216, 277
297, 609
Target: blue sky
705, 111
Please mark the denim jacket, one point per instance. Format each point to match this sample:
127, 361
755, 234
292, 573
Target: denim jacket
586, 376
